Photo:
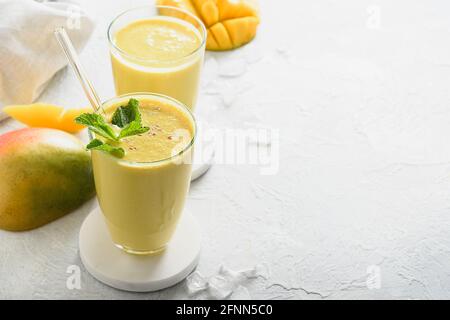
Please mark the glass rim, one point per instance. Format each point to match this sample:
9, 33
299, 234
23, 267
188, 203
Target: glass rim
164, 97
134, 57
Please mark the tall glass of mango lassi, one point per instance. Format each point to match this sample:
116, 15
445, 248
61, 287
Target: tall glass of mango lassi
157, 49
142, 195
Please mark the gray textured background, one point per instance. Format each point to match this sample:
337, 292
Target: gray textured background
360, 93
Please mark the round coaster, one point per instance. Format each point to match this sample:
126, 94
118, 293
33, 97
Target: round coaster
203, 150
129, 272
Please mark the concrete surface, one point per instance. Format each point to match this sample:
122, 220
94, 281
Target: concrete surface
360, 206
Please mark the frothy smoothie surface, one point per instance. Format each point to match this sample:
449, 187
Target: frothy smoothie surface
171, 131
159, 38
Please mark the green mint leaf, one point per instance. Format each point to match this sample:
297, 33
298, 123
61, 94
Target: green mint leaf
94, 143
97, 124
124, 115
121, 117
97, 144
132, 129
129, 119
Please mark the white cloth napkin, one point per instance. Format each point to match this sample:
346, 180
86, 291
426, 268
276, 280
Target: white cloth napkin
29, 53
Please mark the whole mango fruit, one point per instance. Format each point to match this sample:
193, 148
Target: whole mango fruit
45, 174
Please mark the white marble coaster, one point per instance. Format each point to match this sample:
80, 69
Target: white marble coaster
125, 271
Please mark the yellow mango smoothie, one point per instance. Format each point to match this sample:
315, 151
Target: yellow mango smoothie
142, 195
159, 52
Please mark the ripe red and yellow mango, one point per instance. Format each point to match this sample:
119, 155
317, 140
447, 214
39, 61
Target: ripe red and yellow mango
45, 174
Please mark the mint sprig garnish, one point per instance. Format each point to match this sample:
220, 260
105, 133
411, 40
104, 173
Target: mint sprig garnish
126, 117
97, 144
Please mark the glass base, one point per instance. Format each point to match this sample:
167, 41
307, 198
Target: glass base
141, 252
138, 273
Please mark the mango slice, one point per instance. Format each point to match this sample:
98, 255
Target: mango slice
46, 116
230, 23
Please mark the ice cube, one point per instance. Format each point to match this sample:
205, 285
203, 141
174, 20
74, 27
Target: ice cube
230, 275
227, 283
196, 282
220, 287
260, 270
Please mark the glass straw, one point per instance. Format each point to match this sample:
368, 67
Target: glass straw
72, 56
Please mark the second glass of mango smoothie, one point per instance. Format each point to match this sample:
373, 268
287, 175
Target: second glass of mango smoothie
142, 195
158, 49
